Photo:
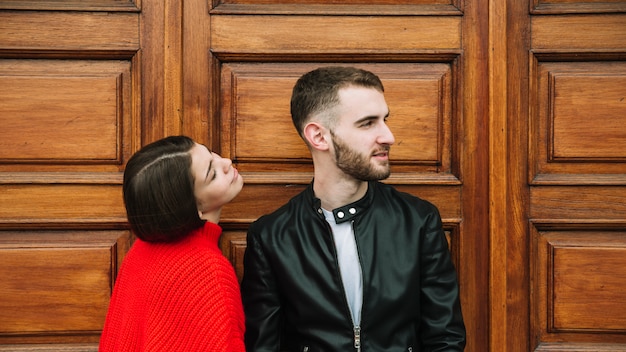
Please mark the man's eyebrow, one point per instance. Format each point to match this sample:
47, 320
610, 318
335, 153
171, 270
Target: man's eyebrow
366, 118
370, 117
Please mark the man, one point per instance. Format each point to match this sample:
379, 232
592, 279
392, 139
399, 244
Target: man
349, 264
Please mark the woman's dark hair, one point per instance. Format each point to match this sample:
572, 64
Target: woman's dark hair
158, 191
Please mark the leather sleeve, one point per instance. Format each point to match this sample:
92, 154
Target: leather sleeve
441, 326
260, 299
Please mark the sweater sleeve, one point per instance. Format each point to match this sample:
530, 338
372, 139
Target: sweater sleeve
197, 308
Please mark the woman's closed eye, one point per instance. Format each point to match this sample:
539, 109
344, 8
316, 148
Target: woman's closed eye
210, 177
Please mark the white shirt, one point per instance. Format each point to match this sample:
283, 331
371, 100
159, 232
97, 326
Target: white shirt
349, 266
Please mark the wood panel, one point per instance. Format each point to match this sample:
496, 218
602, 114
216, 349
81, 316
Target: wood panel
421, 96
345, 2
52, 133
579, 204
118, 74
52, 107
73, 107
58, 33
300, 34
69, 5
579, 291
577, 6
577, 177
57, 203
557, 174
576, 136
579, 131
572, 33
430, 57
57, 284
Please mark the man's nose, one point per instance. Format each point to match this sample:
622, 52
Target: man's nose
386, 136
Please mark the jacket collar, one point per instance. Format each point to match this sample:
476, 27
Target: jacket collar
346, 212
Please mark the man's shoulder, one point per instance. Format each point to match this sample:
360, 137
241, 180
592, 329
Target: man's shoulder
395, 195
282, 216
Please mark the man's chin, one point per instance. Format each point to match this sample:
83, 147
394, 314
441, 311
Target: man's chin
378, 176
384, 177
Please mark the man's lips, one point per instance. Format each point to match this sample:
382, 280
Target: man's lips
381, 153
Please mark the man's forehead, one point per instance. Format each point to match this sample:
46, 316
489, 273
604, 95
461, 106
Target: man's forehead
362, 99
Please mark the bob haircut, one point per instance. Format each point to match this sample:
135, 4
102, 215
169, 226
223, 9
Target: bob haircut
316, 93
158, 191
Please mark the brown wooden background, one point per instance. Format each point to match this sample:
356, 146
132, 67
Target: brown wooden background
509, 115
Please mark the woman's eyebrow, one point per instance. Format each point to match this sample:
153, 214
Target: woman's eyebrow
208, 170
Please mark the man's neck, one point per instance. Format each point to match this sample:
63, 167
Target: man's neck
335, 192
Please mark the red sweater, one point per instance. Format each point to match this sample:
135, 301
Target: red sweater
181, 296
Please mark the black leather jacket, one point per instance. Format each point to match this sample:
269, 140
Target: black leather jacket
293, 294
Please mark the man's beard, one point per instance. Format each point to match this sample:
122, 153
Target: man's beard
357, 165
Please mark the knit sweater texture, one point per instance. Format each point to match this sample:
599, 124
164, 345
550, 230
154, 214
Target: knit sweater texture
181, 296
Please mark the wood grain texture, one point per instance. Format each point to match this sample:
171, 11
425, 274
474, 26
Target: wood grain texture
508, 116
57, 283
573, 33
68, 31
293, 34
577, 290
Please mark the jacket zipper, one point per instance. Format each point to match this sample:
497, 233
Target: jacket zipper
356, 328
357, 338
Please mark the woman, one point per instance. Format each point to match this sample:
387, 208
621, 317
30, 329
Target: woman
175, 290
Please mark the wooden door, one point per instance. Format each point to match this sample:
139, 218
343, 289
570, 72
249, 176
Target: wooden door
87, 83
558, 176
431, 56
490, 101
83, 84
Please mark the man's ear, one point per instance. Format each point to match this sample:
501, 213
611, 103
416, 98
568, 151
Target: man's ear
315, 135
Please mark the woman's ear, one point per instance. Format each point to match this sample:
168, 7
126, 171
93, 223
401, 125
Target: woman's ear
315, 135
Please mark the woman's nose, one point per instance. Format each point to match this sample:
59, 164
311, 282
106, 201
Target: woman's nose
226, 163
